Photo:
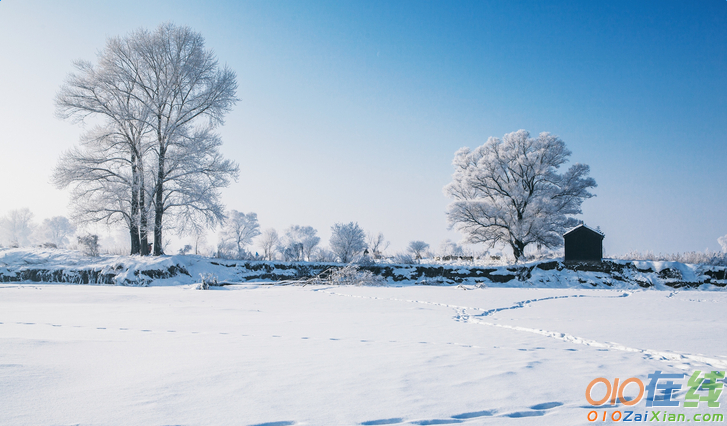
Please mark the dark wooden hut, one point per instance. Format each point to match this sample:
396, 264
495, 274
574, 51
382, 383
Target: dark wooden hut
583, 243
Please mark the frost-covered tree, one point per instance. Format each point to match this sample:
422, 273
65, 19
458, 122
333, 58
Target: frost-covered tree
450, 248
298, 243
321, 254
268, 242
182, 86
723, 243
108, 167
239, 229
160, 94
509, 192
417, 248
347, 241
16, 227
104, 181
377, 244
200, 240
56, 230
193, 174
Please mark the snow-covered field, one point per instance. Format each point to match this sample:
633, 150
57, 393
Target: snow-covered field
292, 355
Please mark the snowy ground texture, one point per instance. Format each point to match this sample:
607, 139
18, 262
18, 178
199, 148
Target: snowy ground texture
260, 354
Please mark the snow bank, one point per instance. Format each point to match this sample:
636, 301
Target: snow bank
64, 266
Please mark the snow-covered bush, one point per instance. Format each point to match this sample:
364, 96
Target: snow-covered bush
89, 245
403, 259
349, 275
693, 257
208, 279
364, 260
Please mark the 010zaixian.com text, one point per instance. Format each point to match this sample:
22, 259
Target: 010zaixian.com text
662, 401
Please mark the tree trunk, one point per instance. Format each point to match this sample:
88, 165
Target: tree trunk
518, 248
159, 205
144, 214
133, 224
134, 234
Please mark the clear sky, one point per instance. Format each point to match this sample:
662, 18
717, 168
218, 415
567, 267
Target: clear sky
352, 111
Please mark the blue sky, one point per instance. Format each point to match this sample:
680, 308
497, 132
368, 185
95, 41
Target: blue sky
352, 111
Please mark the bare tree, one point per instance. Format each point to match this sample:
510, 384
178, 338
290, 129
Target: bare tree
102, 179
180, 83
200, 239
509, 192
377, 244
298, 242
239, 230
194, 172
17, 226
450, 248
347, 241
417, 248
268, 242
56, 230
161, 95
114, 149
323, 255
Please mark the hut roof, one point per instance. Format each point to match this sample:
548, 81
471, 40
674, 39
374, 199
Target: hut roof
583, 225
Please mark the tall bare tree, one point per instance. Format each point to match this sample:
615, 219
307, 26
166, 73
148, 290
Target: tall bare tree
106, 181
160, 95
377, 244
239, 230
17, 227
268, 242
179, 83
116, 147
56, 230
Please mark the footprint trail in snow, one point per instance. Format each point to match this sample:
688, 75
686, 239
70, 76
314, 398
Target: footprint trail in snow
462, 315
